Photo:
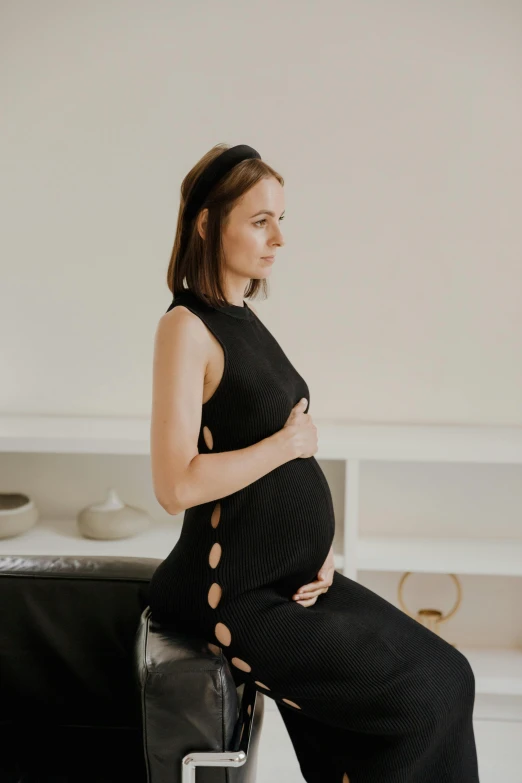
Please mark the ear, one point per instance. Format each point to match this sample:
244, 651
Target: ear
202, 222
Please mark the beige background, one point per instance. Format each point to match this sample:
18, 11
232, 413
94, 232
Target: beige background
397, 127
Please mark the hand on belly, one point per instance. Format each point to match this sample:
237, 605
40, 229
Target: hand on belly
308, 594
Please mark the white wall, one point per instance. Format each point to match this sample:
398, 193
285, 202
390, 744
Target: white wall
397, 127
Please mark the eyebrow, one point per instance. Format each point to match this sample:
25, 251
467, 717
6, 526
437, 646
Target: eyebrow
266, 212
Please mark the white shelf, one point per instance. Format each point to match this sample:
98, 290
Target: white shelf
419, 443
75, 434
375, 553
61, 537
336, 439
498, 671
488, 556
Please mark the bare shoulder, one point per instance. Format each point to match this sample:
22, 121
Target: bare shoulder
181, 320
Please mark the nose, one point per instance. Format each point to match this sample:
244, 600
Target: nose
279, 239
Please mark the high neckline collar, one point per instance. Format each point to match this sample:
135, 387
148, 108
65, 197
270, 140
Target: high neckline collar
236, 311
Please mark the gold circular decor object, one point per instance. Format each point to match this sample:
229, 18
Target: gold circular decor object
430, 618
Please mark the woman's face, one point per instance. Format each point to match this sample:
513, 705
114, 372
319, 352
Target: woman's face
251, 232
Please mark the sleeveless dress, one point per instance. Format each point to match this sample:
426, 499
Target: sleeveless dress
366, 692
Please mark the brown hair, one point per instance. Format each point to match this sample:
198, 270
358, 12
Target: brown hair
202, 263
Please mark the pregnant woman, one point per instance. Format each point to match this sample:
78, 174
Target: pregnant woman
367, 694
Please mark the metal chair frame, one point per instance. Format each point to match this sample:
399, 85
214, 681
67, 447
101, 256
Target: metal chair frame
238, 753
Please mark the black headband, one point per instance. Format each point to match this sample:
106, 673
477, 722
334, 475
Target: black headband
213, 173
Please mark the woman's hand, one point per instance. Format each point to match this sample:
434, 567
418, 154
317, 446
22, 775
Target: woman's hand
308, 594
300, 431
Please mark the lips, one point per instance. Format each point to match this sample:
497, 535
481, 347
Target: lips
268, 258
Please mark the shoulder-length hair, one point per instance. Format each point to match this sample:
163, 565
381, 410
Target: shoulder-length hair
202, 263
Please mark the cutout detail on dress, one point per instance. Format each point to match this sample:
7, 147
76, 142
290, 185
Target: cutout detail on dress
223, 634
243, 665
261, 685
214, 594
216, 515
291, 703
215, 555
207, 437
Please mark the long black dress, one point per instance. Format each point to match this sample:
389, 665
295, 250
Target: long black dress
367, 693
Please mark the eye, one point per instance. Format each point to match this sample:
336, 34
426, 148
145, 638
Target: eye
263, 220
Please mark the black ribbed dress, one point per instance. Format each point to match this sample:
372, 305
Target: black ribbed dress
368, 694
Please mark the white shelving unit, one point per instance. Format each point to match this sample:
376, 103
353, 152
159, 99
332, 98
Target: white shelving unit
498, 671
490, 557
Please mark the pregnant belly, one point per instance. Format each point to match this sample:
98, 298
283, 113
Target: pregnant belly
277, 530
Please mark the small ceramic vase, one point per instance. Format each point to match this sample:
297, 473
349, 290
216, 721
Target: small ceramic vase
18, 514
112, 519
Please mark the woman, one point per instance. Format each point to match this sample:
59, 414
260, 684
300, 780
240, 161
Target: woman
368, 695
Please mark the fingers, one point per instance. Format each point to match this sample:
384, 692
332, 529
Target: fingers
313, 589
312, 586
309, 594
310, 602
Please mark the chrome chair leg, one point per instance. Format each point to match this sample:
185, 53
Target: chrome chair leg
238, 754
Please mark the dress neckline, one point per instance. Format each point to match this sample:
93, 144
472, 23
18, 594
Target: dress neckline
229, 309
236, 310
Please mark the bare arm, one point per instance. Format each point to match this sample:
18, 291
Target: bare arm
182, 477
214, 476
